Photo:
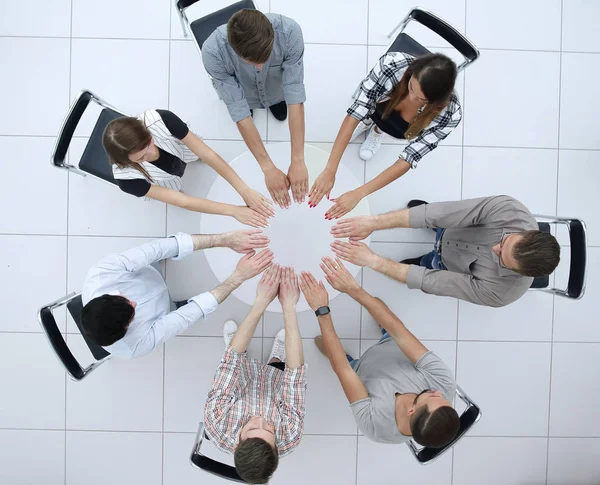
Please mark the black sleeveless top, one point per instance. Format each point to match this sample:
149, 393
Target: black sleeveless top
394, 125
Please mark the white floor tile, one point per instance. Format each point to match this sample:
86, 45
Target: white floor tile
577, 193
384, 15
386, 464
101, 209
501, 123
104, 66
16, 457
43, 18
193, 98
190, 365
327, 409
34, 273
577, 115
121, 395
574, 372
579, 26
32, 383
310, 464
573, 461
494, 373
427, 316
40, 188
437, 178
512, 171
136, 19
332, 24
500, 461
575, 320
529, 318
38, 83
326, 102
487, 24
121, 458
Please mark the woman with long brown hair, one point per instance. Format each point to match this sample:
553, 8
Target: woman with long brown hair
405, 97
149, 154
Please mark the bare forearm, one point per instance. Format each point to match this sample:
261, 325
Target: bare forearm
296, 124
389, 220
206, 206
398, 271
252, 139
333, 345
206, 241
242, 337
341, 143
294, 355
224, 170
222, 291
386, 177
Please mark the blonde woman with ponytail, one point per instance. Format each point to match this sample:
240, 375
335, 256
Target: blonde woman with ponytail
405, 97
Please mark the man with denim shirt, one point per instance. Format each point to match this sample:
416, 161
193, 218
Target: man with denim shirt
127, 306
256, 61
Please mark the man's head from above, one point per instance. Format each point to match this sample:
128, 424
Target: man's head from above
105, 319
251, 36
255, 456
529, 253
433, 421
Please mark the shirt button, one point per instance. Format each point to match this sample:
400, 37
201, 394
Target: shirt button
457, 245
467, 245
477, 247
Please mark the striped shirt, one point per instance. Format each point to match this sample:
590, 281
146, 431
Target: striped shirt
377, 88
243, 388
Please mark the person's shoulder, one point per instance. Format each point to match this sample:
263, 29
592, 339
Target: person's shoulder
215, 41
397, 59
283, 24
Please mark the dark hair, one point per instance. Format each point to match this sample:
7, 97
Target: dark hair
105, 319
436, 74
255, 460
251, 36
123, 137
537, 253
434, 429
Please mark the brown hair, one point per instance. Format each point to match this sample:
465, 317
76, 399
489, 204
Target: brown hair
255, 460
434, 429
251, 35
537, 253
436, 74
123, 137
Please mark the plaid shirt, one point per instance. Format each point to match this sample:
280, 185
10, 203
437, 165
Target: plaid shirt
243, 388
377, 87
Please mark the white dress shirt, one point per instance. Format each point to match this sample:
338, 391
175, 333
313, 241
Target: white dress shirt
131, 275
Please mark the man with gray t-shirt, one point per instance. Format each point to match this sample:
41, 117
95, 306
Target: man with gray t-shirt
398, 389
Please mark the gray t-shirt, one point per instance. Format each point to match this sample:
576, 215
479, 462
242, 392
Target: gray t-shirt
385, 371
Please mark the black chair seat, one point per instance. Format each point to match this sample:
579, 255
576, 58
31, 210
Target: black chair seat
405, 43
94, 159
75, 308
203, 27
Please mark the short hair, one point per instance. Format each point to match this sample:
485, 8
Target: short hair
251, 36
255, 460
434, 429
105, 319
537, 253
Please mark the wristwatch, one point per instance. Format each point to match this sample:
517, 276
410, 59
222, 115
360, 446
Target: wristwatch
324, 310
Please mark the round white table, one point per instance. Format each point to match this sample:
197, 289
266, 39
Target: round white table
299, 236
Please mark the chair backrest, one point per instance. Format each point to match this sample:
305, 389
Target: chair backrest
94, 160
441, 28
208, 464
57, 341
202, 28
468, 418
577, 270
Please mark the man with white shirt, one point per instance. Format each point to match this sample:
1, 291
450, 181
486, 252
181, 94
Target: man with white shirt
127, 306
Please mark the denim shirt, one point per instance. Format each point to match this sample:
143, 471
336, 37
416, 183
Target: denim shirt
242, 86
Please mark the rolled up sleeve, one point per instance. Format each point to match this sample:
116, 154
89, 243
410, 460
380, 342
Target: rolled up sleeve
293, 66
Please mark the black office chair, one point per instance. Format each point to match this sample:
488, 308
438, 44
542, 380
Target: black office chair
468, 418
577, 269
208, 464
202, 28
58, 343
94, 160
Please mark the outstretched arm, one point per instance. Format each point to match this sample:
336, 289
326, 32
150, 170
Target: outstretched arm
289, 292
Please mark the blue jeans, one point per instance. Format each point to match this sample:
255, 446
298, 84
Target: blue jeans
353, 362
433, 260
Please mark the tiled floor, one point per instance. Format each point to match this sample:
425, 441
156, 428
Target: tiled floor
529, 130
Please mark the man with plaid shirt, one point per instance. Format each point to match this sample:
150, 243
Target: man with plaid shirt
256, 410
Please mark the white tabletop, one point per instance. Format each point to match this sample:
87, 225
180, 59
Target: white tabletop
299, 236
